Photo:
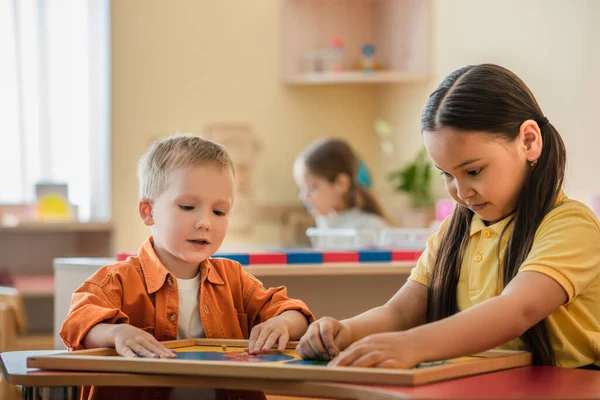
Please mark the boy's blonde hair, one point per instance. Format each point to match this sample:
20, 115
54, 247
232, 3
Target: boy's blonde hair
174, 152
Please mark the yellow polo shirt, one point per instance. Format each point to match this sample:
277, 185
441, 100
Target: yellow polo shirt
566, 248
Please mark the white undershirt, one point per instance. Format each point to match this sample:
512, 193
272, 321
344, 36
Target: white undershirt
189, 323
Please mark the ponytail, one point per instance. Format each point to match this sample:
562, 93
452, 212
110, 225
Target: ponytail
363, 199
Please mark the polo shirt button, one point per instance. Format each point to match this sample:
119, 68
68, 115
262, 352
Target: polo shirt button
172, 317
487, 234
477, 258
170, 280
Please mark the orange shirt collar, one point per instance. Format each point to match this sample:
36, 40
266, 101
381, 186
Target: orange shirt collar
155, 273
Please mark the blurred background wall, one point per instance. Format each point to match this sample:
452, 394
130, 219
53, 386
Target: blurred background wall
181, 65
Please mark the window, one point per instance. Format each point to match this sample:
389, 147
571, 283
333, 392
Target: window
55, 101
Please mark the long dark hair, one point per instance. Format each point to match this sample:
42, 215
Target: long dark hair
328, 158
492, 99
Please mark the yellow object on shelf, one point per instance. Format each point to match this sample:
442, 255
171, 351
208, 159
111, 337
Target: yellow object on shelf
53, 202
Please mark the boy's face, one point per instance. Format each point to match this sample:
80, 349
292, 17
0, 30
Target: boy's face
189, 218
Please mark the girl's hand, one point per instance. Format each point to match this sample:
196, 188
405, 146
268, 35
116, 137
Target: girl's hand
382, 350
264, 336
134, 342
324, 339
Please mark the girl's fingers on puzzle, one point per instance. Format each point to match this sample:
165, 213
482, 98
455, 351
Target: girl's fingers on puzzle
305, 351
347, 357
368, 359
301, 349
389, 363
326, 333
317, 349
316, 343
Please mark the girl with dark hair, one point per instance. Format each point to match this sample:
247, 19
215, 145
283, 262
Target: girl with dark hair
516, 265
326, 173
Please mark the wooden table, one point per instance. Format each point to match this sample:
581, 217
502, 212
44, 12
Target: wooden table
523, 383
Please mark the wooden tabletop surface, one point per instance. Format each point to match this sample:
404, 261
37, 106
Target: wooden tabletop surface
524, 382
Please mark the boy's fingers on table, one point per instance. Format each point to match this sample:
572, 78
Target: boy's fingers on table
253, 337
159, 349
260, 342
143, 351
282, 342
270, 341
127, 352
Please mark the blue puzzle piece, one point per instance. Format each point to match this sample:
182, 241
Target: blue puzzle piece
231, 356
374, 256
433, 364
304, 257
243, 259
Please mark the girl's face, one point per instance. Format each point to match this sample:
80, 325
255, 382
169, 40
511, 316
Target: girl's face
483, 171
320, 196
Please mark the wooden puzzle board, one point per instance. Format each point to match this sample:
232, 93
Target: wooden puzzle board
209, 358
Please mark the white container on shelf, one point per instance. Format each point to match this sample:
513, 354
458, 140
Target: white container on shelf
405, 238
355, 239
343, 239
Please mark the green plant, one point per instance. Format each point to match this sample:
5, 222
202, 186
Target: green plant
414, 179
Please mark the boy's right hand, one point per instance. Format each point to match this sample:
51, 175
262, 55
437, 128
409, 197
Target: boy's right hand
324, 339
134, 342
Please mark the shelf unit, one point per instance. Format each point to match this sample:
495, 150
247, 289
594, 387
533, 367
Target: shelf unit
28, 251
400, 30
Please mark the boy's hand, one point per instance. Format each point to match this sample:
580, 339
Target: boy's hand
134, 342
265, 335
324, 339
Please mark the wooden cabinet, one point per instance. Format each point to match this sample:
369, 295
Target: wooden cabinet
28, 250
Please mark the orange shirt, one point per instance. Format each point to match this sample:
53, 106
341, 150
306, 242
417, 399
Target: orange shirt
142, 292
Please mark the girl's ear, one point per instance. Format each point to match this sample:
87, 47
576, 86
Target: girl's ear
342, 183
531, 140
145, 210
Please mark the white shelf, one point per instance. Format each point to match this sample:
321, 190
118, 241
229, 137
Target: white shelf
400, 31
58, 227
351, 77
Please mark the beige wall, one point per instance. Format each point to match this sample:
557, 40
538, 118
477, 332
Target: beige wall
180, 65
553, 45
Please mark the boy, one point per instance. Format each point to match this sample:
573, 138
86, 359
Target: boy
172, 289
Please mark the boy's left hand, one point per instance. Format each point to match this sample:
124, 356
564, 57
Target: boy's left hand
264, 336
381, 350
